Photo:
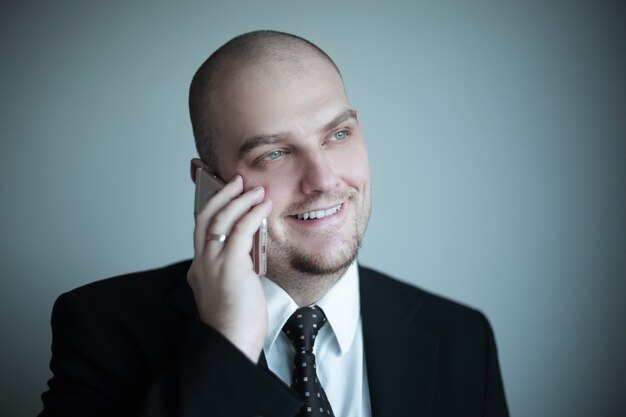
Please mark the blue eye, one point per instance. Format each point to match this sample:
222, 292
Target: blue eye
341, 135
273, 155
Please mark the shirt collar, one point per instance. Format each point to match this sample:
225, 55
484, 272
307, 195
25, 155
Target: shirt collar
340, 305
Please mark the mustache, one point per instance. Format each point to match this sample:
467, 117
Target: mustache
320, 200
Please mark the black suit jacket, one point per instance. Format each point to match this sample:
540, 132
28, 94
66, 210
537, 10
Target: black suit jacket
134, 346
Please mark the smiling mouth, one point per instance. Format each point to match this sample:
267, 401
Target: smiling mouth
318, 214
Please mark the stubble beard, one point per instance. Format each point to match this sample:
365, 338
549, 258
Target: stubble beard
320, 264
288, 261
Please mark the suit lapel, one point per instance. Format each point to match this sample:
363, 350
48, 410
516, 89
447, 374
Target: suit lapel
401, 357
180, 300
180, 297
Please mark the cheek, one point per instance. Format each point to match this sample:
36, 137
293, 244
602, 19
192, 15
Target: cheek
253, 178
353, 165
277, 187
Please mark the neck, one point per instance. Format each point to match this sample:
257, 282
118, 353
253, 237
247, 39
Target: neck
307, 289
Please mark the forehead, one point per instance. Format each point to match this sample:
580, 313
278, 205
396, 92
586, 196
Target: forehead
275, 97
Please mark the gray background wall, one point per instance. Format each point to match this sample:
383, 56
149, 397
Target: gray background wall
497, 140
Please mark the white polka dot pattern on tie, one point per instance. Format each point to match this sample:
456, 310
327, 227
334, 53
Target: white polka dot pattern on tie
301, 329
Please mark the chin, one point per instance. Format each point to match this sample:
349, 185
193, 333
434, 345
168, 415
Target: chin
322, 265
326, 262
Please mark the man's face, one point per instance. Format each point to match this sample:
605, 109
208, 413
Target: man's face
294, 133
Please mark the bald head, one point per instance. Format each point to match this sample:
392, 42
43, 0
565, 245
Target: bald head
260, 49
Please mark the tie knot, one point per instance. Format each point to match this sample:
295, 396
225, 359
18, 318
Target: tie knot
302, 327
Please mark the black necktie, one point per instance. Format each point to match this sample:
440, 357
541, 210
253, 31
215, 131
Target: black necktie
301, 329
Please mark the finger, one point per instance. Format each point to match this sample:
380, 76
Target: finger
223, 221
241, 235
219, 200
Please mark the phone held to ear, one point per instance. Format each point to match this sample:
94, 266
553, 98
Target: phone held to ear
207, 185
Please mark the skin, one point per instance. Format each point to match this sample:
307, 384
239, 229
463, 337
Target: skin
305, 152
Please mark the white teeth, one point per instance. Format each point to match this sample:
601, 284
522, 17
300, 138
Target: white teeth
318, 214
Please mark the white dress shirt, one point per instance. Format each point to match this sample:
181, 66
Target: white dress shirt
338, 346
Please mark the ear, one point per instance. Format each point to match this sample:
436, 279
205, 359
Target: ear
193, 167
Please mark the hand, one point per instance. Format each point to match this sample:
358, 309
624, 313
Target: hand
228, 292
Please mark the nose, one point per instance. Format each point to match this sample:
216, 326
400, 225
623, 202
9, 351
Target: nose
318, 174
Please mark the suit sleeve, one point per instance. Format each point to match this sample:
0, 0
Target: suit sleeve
98, 370
494, 403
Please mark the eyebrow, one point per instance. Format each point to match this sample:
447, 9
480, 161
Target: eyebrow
259, 140
341, 117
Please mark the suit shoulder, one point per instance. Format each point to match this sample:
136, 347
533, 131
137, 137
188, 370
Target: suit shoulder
460, 344
133, 288
429, 307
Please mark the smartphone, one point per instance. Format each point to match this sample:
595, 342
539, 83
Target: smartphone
207, 185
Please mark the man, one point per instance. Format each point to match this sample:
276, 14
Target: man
211, 338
